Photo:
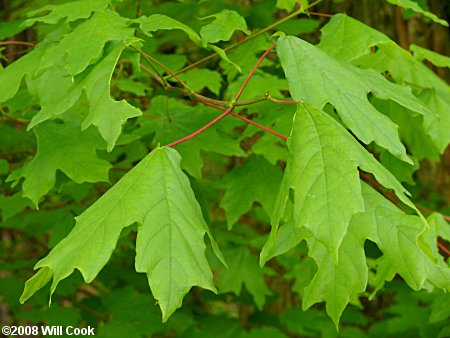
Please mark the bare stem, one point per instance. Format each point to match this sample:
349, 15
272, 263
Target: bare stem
231, 107
256, 124
320, 14
151, 58
14, 119
22, 43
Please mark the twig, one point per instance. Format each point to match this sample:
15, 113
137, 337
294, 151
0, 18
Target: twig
14, 119
256, 124
443, 248
21, 43
428, 211
151, 58
320, 14
233, 102
150, 116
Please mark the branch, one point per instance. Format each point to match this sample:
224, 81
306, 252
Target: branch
231, 107
14, 119
21, 43
256, 124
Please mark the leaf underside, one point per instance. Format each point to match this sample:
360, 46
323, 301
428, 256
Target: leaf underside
170, 247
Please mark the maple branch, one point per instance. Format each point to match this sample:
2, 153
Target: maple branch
150, 116
429, 211
232, 104
189, 92
271, 99
443, 248
256, 124
21, 43
151, 58
13, 119
211, 56
320, 14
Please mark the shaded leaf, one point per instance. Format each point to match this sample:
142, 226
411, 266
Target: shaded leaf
11, 76
436, 59
63, 147
398, 236
155, 22
409, 4
223, 26
197, 79
243, 271
286, 4
255, 181
345, 38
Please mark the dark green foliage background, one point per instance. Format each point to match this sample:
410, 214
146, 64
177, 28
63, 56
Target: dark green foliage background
224, 166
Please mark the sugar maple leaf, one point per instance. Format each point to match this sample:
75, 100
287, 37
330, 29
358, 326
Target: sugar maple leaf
170, 247
326, 80
322, 172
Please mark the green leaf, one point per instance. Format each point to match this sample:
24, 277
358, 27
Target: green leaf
255, 181
286, 4
345, 38
105, 113
299, 26
261, 84
223, 26
69, 11
11, 76
4, 166
244, 271
432, 91
197, 79
322, 171
401, 170
436, 59
245, 56
397, 236
11, 205
155, 22
438, 228
92, 34
412, 130
169, 247
316, 78
130, 86
338, 283
409, 4
440, 310
11, 28
63, 147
